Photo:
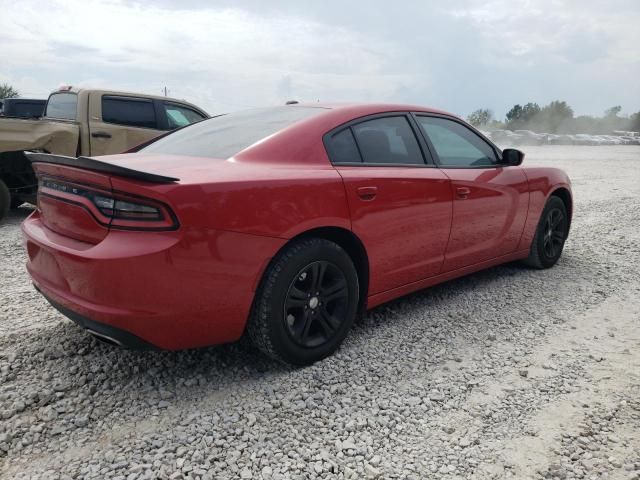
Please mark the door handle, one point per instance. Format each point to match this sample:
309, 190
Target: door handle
463, 192
100, 135
367, 193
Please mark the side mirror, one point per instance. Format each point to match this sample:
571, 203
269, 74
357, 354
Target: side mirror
512, 157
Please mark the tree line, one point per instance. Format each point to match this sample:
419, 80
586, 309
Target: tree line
556, 117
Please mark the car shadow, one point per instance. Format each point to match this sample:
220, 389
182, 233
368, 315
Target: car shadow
451, 290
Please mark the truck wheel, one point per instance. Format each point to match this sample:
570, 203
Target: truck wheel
5, 200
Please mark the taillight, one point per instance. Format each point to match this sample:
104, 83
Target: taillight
112, 209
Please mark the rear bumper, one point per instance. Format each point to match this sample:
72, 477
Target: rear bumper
103, 331
171, 290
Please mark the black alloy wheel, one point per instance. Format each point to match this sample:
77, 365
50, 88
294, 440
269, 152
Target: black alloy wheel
548, 242
316, 304
554, 232
306, 303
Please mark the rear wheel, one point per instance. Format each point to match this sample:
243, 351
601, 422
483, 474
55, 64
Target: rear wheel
551, 234
5, 200
306, 304
15, 203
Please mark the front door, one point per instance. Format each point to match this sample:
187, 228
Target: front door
490, 201
400, 203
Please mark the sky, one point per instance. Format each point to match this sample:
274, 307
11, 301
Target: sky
228, 55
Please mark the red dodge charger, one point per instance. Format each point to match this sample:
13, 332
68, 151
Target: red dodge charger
283, 224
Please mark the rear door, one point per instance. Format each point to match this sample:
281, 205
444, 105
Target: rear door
120, 122
490, 200
400, 203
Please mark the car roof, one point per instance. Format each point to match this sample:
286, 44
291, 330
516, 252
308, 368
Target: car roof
372, 107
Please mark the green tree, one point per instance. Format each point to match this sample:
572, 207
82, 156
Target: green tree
634, 122
7, 91
514, 114
529, 111
557, 117
613, 111
480, 117
519, 116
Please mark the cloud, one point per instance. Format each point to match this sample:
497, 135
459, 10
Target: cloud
237, 54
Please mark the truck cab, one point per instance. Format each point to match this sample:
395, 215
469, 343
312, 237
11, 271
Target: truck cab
83, 122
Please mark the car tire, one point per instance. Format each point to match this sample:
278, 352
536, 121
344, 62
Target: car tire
5, 200
306, 303
550, 236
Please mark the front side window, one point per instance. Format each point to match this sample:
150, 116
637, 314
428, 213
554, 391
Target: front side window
63, 106
457, 145
179, 116
388, 140
132, 112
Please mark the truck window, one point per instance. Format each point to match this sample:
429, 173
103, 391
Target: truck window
179, 116
28, 109
129, 111
62, 105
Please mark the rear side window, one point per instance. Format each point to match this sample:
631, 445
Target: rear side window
388, 140
63, 106
179, 116
226, 135
342, 147
457, 145
131, 112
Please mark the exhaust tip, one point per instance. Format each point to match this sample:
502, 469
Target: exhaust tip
105, 338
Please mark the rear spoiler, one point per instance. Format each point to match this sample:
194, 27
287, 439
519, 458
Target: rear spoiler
98, 166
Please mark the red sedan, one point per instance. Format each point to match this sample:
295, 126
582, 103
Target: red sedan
283, 224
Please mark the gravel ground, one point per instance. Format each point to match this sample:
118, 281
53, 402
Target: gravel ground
507, 373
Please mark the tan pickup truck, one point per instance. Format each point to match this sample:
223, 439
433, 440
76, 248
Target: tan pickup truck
83, 122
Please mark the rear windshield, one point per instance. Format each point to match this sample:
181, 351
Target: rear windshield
62, 105
27, 109
226, 135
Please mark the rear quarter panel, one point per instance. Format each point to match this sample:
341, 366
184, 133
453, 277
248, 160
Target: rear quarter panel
543, 182
268, 200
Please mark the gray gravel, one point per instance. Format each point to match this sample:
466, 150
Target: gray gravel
507, 373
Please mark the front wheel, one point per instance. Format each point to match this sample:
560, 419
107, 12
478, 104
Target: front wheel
551, 234
306, 303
